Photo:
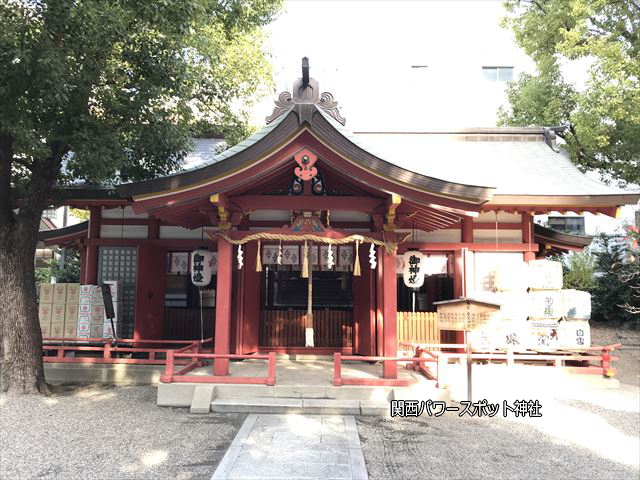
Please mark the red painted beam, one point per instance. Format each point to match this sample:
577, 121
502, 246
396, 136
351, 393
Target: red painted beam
168, 243
474, 247
125, 221
308, 202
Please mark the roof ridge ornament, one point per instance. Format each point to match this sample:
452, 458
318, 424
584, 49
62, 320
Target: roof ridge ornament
306, 91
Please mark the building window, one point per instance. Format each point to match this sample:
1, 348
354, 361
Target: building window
574, 225
50, 213
498, 74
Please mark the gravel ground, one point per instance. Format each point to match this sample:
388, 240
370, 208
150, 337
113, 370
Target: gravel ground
592, 435
629, 364
111, 433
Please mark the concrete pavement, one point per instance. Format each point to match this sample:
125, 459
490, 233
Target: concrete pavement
294, 446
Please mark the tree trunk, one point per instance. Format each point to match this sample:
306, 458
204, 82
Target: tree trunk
21, 366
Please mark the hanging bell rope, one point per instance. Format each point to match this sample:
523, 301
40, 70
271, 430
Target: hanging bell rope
305, 261
356, 264
258, 259
390, 246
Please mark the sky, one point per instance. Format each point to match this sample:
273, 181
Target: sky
363, 53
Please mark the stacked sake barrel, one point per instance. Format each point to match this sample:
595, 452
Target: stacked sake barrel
537, 313
511, 284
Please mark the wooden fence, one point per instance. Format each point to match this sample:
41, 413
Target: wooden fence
418, 327
182, 323
286, 328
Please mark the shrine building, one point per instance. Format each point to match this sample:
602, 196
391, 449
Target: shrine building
308, 224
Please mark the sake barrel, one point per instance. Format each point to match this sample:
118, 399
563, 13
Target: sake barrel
512, 277
545, 275
576, 304
543, 334
575, 334
513, 305
545, 304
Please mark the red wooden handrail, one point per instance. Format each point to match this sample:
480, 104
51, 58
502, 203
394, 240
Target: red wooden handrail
170, 375
121, 340
589, 354
109, 347
338, 380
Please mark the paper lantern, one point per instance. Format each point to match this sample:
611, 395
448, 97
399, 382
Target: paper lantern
412, 271
201, 267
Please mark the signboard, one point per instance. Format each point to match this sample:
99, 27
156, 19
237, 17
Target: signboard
412, 271
466, 314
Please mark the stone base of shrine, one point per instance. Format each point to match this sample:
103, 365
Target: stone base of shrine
302, 386
114, 374
496, 383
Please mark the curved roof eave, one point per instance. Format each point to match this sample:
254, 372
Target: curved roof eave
276, 134
546, 234
50, 237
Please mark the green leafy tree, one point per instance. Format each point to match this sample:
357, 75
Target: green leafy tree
614, 292
630, 276
579, 269
602, 120
64, 272
111, 89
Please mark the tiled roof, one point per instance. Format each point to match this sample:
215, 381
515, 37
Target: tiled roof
512, 167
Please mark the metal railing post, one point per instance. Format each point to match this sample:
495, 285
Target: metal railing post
271, 375
107, 349
168, 370
337, 369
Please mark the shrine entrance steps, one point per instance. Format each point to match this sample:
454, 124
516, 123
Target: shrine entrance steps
302, 387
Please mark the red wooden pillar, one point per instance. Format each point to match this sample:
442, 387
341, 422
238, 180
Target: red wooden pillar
153, 228
466, 231
249, 314
364, 311
91, 257
527, 236
379, 302
459, 286
390, 309
83, 264
223, 306
150, 292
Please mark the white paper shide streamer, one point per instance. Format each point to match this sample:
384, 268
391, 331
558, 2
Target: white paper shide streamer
372, 257
240, 257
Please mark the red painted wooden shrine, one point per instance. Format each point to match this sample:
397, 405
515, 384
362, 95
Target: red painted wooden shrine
305, 179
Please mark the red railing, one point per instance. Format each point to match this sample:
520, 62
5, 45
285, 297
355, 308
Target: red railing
586, 357
110, 351
339, 380
170, 375
432, 353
